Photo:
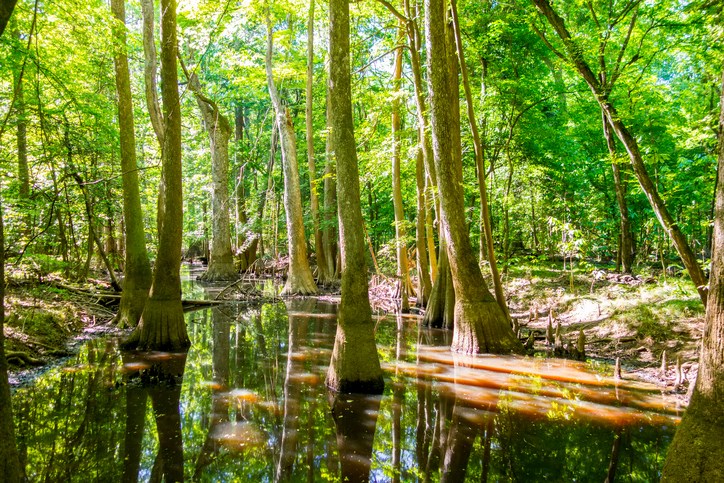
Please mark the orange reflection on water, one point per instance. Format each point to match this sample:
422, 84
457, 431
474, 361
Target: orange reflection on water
238, 437
538, 387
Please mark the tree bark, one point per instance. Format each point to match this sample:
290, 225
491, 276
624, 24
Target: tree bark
221, 260
324, 271
151, 90
22, 140
575, 56
9, 463
480, 324
137, 280
423, 262
299, 277
626, 241
6, 10
162, 325
480, 167
403, 275
355, 364
696, 453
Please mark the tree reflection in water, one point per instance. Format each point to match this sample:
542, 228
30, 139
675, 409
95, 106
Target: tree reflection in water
159, 376
249, 403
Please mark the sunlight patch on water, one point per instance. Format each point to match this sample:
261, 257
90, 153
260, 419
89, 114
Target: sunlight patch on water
238, 437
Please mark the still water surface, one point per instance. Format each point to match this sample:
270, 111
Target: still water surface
248, 403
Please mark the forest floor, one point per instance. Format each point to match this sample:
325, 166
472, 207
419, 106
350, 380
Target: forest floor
47, 320
635, 319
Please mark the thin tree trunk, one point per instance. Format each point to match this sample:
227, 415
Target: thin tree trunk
137, 280
299, 277
626, 243
423, 262
403, 276
480, 166
93, 237
323, 269
22, 140
355, 365
629, 141
221, 260
151, 90
330, 233
480, 324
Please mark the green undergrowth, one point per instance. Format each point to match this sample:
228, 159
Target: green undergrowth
39, 321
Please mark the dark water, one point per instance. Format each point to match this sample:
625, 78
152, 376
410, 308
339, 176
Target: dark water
249, 404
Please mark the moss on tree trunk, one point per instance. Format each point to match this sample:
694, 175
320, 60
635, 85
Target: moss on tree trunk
480, 324
355, 365
697, 452
137, 279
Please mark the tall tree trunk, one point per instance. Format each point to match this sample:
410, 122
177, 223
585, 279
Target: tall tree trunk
22, 140
415, 45
403, 275
696, 453
9, 463
221, 261
423, 262
137, 279
330, 233
323, 270
299, 277
480, 167
480, 324
574, 53
162, 324
355, 364
626, 240
150, 66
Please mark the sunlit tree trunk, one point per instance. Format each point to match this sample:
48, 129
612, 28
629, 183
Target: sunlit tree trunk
21, 136
480, 168
299, 277
9, 463
137, 280
155, 114
162, 324
480, 324
668, 223
697, 452
403, 274
221, 261
355, 364
626, 246
415, 44
423, 262
330, 236
323, 269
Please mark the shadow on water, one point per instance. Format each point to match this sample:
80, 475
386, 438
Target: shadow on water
248, 403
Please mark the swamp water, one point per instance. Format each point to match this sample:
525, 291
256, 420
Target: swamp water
248, 403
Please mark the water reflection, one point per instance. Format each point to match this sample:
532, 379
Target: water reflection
249, 403
157, 376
